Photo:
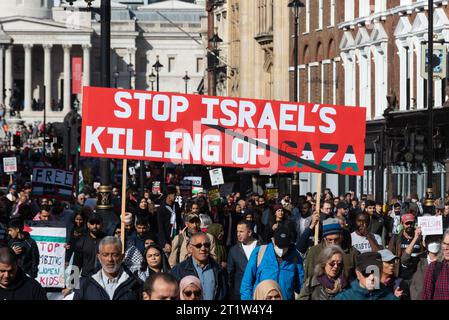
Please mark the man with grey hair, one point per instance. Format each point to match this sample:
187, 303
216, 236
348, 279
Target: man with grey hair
113, 281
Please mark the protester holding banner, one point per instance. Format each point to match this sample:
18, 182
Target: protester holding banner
14, 283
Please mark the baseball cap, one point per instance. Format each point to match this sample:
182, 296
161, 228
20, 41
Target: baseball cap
282, 237
368, 259
408, 217
387, 255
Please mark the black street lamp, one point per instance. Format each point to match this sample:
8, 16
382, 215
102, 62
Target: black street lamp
132, 74
158, 67
295, 6
186, 79
215, 40
152, 79
116, 74
429, 196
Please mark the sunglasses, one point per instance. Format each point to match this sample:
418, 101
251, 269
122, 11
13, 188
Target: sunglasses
199, 245
197, 294
335, 263
409, 223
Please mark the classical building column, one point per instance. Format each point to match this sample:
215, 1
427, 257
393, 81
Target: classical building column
132, 60
47, 76
86, 65
8, 75
67, 93
28, 78
2, 95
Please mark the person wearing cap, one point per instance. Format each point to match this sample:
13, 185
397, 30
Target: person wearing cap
179, 251
333, 234
169, 220
392, 283
367, 286
409, 238
86, 248
343, 212
278, 260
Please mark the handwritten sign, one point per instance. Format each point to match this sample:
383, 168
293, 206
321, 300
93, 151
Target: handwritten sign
10, 165
431, 225
50, 242
272, 193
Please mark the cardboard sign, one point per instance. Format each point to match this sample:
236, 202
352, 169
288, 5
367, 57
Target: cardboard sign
50, 242
431, 225
272, 136
10, 165
216, 176
272, 193
214, 195
156, 187
52, 182
185, 188
196, 181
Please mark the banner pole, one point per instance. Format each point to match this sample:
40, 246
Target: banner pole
122, 227
318, 204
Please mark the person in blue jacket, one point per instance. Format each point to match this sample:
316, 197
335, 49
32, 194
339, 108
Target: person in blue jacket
367, 286
279, 261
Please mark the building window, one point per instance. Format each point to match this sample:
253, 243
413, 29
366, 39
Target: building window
381, 5
199, 65
320, 14
349, 10
364, 8
308, 16
171, 64
332, 22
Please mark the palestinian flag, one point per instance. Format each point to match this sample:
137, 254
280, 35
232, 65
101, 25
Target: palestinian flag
349, 160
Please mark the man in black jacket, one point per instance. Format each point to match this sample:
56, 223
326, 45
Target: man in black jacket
14, 283
25, 248
113, 281
86, 248
169, 220
238, 257
201, 265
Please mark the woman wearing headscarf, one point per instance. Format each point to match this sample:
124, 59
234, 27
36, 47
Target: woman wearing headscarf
190, 288
268, 290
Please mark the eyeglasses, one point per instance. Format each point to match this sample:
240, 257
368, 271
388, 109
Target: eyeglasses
335, 263
199, 245
197, 294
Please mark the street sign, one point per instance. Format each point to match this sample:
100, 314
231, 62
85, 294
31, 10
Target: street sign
216, 176
10, 165
438, 61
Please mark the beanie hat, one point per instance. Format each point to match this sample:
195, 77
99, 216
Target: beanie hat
331, 226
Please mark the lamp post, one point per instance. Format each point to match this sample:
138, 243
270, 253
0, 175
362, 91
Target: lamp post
152, 79
429, 197
186, 79
132, 74
295, 6
158, 67
116, 74
215, 40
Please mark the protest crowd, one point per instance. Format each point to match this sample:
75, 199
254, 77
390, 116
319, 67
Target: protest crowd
236, 247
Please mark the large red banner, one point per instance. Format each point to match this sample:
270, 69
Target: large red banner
272, 136
77, 74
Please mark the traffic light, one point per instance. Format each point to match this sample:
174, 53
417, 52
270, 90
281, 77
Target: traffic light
75, 134
16, 140
419, 147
